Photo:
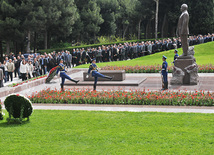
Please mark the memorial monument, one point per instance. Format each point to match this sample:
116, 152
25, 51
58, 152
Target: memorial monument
186, 63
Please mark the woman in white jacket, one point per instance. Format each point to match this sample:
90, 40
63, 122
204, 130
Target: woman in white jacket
23, 70
30, 69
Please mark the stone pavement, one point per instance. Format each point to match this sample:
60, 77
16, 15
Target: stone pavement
152, 83
129, 108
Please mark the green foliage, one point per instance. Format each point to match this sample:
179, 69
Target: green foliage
18, 106
49, 22
97, 132
1, 115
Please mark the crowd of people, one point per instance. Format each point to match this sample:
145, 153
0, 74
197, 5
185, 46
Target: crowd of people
32, 65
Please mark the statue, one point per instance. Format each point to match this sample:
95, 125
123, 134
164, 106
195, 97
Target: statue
185, 69
183, 29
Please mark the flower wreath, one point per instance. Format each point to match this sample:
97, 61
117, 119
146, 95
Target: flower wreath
51, 75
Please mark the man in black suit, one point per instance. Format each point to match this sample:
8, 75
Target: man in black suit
43, 64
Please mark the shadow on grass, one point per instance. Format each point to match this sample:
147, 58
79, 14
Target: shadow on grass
13, 123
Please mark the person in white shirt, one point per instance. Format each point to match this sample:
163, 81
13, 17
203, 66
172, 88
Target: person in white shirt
30, 69
23, 70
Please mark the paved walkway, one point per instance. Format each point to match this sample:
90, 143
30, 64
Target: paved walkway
129, 108
150, 84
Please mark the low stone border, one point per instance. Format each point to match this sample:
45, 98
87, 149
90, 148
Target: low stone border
4, 91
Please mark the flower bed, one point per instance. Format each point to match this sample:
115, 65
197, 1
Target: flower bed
124, 97
27, 81
155, 69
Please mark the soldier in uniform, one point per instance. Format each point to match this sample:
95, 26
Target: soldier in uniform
63, 75
164, 74
176, 55
95, 73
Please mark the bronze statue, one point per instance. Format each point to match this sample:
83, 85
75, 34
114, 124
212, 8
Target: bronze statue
183, 29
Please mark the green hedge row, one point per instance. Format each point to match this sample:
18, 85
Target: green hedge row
91, 45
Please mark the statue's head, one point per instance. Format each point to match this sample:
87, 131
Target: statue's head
184, 7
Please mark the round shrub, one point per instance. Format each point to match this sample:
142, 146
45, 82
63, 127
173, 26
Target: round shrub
15, 104
1, 115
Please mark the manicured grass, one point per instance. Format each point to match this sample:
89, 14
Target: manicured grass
87, 132
204, 54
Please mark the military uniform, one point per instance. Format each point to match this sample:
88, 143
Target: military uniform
164, 73
96, 74
63, 75
176, 55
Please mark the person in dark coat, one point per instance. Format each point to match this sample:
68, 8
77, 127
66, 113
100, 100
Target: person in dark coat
43, 64
78, 58
83, 58
115, 54
74, 57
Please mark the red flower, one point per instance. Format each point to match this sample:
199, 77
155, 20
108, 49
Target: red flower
17, 94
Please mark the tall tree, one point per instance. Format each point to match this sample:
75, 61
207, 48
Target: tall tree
91, 19
109, 12
9, 24
156, 19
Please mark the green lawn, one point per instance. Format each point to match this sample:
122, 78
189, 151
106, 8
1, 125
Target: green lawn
204, 54
83, 132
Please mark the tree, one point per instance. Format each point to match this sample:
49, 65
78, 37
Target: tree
109, 12
90, 20
156, 19
9, 24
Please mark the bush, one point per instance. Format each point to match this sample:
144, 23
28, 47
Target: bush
18, 106
1, 115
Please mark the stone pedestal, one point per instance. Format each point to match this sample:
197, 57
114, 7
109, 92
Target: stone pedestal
119, 75
182, 64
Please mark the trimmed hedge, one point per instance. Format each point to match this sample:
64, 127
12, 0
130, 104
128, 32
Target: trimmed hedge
91, 45
18, 106
1, 115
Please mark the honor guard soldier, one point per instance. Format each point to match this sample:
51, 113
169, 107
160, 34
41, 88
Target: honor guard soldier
95, 73
176, 55
63, 75
164, 74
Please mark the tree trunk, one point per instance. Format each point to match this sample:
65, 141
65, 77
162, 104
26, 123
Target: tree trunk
124, 33
148, 29
7, 47
164, 29
46, 40
139, 30
28, 42
1, 51
156, 19
34, 43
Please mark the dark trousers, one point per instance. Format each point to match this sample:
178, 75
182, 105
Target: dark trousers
64, 76
1, 83
16, 72
5, 76
23, 75
96, 74
10, 75
98, 59
44, 70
